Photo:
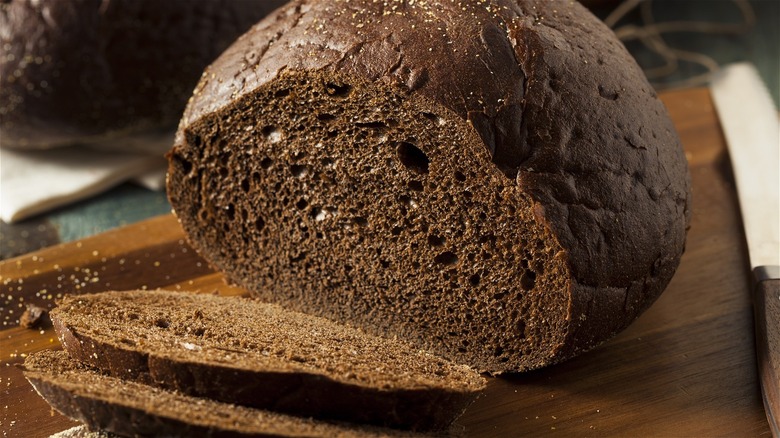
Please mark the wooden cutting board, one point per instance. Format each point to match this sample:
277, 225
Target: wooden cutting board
685, 368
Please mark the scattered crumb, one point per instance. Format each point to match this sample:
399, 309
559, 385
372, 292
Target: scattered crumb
34, 317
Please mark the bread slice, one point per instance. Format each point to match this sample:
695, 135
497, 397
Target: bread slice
132, 409
243, 351
495, 181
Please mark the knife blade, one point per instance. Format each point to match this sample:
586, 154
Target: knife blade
750, 125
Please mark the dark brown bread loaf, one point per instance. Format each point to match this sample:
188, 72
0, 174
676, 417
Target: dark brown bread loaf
242, 351
79, 71
131, 409
494, 181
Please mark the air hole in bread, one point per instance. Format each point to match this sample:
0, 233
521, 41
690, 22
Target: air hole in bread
299, 170
230, 210
487, 238
245, 185
360, 220
282, 93
406, 201
325, 117
528, 280
415, 185
272, 134
162, 323
301, 204
474, 279
412, 157
435, 240
224, 158
371, 125
185, 164
259, 223
498, 296
446, 258
338, 90
459, 176
520, 327
395, 231
193, 139
327, 163
433, 118
300, 155
266, 163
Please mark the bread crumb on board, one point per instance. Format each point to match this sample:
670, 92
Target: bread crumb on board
34, 317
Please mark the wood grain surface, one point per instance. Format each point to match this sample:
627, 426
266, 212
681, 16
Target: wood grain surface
766, 303
687, 367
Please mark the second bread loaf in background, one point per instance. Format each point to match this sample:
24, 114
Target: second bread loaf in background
88, 71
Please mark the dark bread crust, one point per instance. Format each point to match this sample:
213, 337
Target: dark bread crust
78, 71
200, 354
130, 409
562, 110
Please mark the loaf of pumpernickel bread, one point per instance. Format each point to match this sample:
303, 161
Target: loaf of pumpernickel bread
83, 71
243, 351
493, 181
131, 409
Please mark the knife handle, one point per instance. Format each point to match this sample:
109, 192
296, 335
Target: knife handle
767, 318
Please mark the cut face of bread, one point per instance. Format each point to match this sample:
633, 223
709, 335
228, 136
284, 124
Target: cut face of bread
358, 203
132, 409
242, 351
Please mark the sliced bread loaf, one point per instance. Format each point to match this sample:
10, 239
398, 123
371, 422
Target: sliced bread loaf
132, 409
243, 351
494, 181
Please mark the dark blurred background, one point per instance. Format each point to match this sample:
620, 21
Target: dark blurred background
677, 42
697, 36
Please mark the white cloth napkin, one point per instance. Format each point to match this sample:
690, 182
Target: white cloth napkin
33, 182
